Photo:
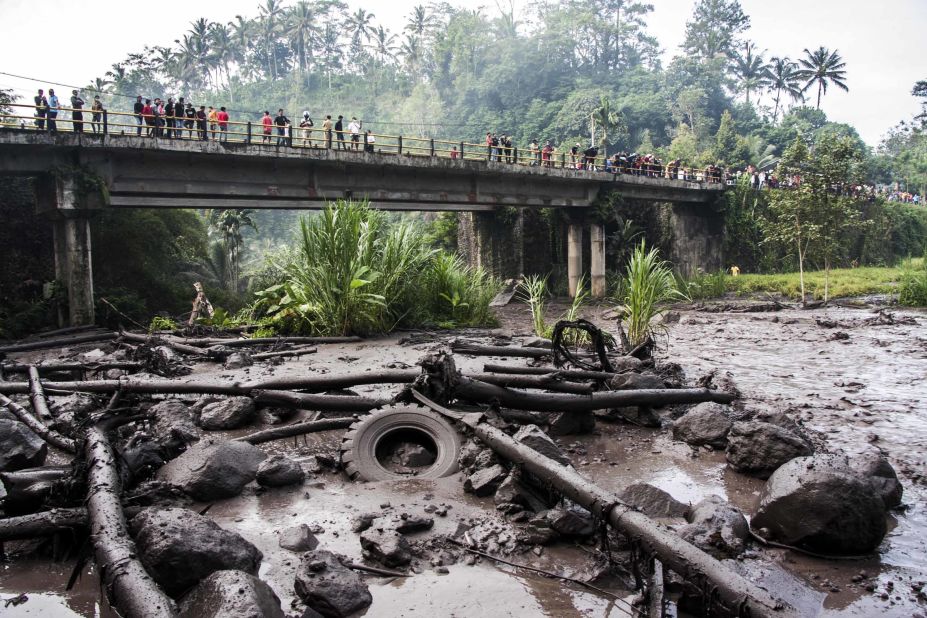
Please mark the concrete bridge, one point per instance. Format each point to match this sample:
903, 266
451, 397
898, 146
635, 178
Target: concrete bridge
82, 173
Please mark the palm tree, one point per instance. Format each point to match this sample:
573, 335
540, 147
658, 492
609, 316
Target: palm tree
411, 52
751, 70
784, 76
420, 22
360, 27
384, 44
98, 85
607, 118
222, 51
229, 224
300, 27
822, 67
331, 49
270, 11
118, 77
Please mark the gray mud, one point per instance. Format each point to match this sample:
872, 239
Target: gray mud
850, 391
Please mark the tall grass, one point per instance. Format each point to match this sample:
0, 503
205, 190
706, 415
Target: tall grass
533, 291
648, 284
912, 287
704, 286
356, 274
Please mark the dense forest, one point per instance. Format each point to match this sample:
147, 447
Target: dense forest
567, 71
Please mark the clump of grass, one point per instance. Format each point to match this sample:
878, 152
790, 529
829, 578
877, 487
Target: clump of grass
704, 286
912, 288
648, 285
160, 322
533, 291
459, 295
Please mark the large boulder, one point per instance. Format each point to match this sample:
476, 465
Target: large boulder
329, 587
214, 470
279, 471
636, 381
173, 427
872, 467
820, 504
533, 437
569, 522
179, 547
69, 412
230, 413
717, 527
19, 447
231, 593
653, 501
485, 481
705, 424
298, 538
386, 546
759, 448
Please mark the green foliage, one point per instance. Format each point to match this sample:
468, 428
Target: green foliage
912, 289
704, 286
648, 285
533, 291
714, 28
459, 295
842, 283
161, 323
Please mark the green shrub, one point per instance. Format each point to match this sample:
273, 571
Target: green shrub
912, 288
459, 295
704, 286
649, 283
533, 291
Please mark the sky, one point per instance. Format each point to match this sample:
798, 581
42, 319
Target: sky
883, 42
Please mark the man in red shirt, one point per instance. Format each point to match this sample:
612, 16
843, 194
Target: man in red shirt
268, 124
223, 118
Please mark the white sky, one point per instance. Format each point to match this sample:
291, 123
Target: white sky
884, 42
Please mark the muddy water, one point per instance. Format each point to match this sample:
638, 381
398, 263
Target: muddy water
853, 392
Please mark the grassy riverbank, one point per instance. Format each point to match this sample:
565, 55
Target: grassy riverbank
844, 282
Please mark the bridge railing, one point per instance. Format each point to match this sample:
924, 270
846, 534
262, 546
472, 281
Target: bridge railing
27, 118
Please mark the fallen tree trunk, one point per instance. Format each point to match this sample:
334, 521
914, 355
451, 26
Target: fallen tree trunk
34, 475
174, 345
37, 396
731, 593
37, 427
481, 392
328, 403
67, 330
130, 588
46, 523
296, 429
238, 343
329, 382
566, 374
57, 343
285, 353
465, 347
44, 368
549, 381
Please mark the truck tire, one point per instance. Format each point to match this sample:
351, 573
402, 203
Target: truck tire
364, 444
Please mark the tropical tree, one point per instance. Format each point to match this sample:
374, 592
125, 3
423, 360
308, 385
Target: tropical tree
299, 28
270, 13
784, 77
222, 51
750, 70
714, 28
421, 22
360, 27
384, 45
331, 50
823, 67
606, 118
228, 225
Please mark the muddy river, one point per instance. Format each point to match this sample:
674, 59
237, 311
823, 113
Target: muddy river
853, 378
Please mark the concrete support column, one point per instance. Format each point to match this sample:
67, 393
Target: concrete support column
70, 210
74, 269
574, 257
597, 260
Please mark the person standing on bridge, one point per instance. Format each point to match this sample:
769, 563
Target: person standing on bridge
137, 109
53, 107
267, 122
179, 116
190, 115
370, 141
149, 119
202, 123
339, 132
223, 118
213, 121
327, 127
305, 129
41, 109
282, 123
355, 128
97, 110
77, 114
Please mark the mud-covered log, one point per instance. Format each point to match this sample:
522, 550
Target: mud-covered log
46, 368
736, 595
37, 427
33, 475
46, 344
238, 343
481, 392
174, 345
131, 589
549, 381
566, 374
336, 381
657, 592
45, 523
466, 347
308, 401
285, 353
296, 429
37, 395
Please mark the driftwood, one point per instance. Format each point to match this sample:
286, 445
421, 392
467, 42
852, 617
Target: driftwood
657, 592
481, 392
34, 475
57, 343
45, 523
131, 589
44, 368
731, 593
296, 429
67, 330
549, 381
37, 395
285, 353
307, 401
174, 345
37, 427
566, 374
466, 347
328, 382
238, 343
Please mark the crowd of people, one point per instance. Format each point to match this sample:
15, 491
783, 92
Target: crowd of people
48, 107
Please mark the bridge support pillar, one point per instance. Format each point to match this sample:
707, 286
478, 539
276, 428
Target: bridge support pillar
597, 260
59, 197
574, 257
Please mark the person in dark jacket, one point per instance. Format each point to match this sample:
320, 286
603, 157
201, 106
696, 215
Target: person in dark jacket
139, 119
77, 114
339, 132
41, 109
179, 116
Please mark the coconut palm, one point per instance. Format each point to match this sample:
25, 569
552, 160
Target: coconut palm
823, 67
384, 45
784, 77
421, 22
98, 85
411, 53
606, 118
750, 69
330, 45
270, 13
228, 224
300, 27
360, 27
222, 51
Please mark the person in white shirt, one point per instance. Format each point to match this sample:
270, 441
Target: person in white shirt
370, 141
355, 128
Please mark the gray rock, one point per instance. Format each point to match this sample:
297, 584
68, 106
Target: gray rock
180, 547
706, 423
68, 412
310, 613
537, 342
716, 527
652, 501
406, 523
19, 447
298, 538
626, 363
466, 457
231, 593
570, 522
818, 503
636, 381
570, 423
275, 416
386, 546
533, 437
279, 471
173, 427
759, 448
237, 360
638, 415
329, 587
871, 466
537, 533
414, 455
213, 470
485, 482
230, 413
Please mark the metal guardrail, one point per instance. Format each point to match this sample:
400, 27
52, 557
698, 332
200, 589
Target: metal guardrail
107, 122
